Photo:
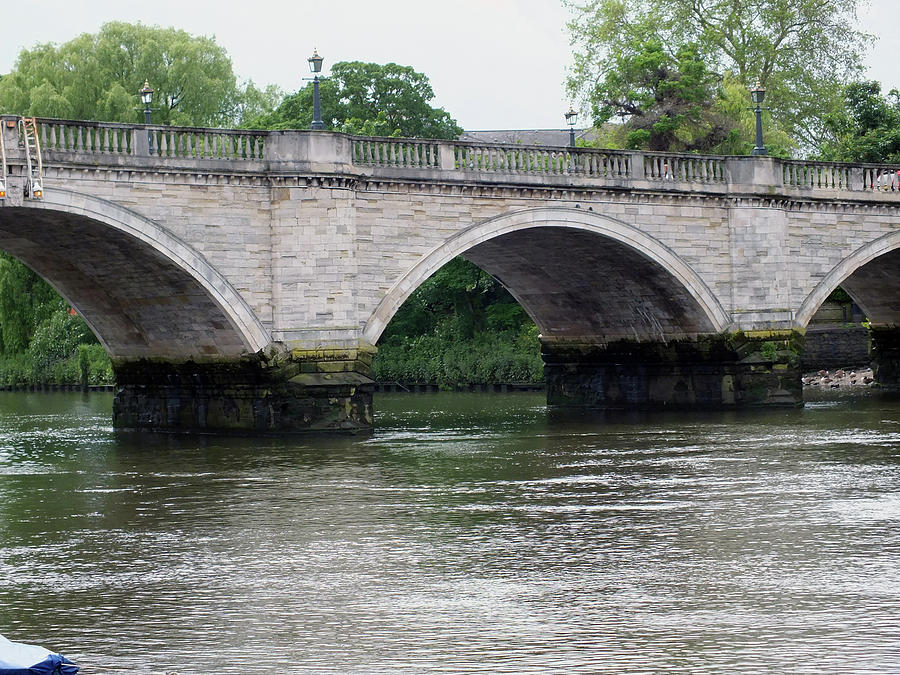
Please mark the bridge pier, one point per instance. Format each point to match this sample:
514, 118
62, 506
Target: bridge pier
886, 356
721, 371
285, 392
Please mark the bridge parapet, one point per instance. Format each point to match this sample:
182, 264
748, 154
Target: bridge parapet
278, 152
105, 138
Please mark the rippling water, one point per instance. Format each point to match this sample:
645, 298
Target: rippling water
471, 533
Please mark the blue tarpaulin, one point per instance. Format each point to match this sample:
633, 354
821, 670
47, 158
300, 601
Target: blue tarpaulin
19, 659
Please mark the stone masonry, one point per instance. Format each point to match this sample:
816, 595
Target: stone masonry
232, 263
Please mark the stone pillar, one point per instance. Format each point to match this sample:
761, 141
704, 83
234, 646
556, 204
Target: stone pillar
15, 161
290, 391
721, 371
886, 356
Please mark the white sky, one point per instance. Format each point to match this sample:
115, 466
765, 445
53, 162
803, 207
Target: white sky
493, 64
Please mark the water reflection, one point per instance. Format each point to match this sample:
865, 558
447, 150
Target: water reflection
470, 533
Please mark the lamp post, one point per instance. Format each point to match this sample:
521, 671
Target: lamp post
757, 95
315, 67
571, 119
147, 99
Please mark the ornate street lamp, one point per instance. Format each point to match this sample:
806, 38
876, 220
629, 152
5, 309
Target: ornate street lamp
147, 99
315, 67
758, 95
571, 119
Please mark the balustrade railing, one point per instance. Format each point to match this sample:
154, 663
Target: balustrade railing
70, 138
193, 143
395, 152
605, 163
541, 160
513, 159
121, 139
884, 178
685, 168
89, 137
817, 175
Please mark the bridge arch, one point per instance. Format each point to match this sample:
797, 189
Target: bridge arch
143, 291
548, 256
869, 275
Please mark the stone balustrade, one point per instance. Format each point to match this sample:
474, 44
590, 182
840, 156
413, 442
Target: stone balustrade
77, 141
193, 143
395, 152
86, 137
817, 175
685, 168
104, 138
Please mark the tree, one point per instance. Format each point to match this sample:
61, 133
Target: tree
98, 76
669, 99
802, 51
867, 128
370, 99
25, 302
460, 326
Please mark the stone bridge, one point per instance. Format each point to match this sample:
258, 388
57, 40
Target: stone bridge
241, 279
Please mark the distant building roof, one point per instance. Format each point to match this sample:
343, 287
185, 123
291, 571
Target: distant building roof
557, 137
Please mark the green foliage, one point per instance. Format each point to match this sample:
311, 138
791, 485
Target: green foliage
367, 99
668, 98
98, 76
26, 302
867, 128
839, 295
46, 362
801, 51
19, 370
40, 341
460, 327
56, 339
439, 359
769, 351
733, 103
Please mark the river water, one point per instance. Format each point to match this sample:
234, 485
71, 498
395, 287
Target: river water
471, 533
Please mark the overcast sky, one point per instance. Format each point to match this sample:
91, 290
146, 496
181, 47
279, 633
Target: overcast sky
493, 64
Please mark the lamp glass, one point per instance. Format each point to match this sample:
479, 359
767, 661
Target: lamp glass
146, 93
315, 62
571, 118
757, 94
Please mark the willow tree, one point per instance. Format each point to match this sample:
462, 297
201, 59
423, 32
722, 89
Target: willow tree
801, 51
97, 77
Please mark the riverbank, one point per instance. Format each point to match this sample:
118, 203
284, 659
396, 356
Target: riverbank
824, 380
45, 388
842, 378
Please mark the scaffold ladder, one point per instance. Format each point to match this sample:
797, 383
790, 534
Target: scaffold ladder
3, 171
34, 188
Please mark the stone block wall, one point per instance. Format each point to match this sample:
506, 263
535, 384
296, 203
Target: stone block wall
835, 346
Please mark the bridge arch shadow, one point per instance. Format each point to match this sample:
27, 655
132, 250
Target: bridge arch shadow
144, 292
869, 275
578, 274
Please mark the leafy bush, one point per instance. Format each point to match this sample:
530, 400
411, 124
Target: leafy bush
62, 350
483, 359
